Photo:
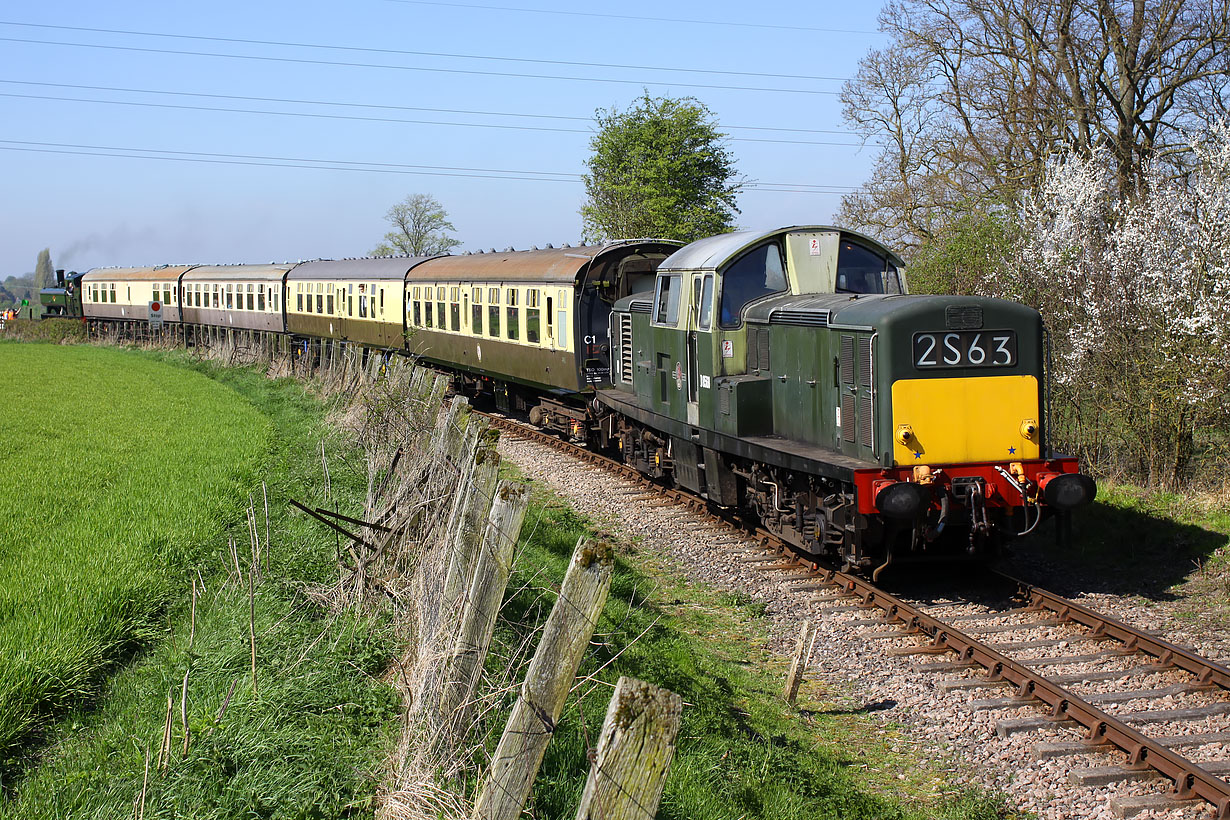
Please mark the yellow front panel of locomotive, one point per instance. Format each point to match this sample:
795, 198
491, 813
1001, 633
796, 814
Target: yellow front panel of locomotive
948, 421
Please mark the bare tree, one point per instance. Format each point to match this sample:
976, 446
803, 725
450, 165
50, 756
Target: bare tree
420, 228
971, 98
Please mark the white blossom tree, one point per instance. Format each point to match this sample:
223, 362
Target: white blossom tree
1136, 294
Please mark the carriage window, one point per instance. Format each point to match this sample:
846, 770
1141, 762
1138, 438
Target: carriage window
362, 305
418, 314
251, 298
476, 317
493, 320
216, 296
514, 320
260, 297
862, 270
166, 292
230, 297
666, 302
427, 314
757, 273
329, 302
531, 325
454, 310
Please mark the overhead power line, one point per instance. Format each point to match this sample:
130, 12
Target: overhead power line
470, 72
639, 19
385, 107
216, 158
355, 118
409, 53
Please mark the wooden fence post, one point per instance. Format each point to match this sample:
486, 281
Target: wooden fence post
634, 753
466, 527
492, 566
551, 673
802, 653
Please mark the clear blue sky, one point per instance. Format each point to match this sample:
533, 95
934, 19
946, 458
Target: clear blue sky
138, 149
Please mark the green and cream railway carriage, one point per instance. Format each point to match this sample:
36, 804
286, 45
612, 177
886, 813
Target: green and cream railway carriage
124, 294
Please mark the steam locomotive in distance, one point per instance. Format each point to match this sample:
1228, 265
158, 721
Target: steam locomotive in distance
785, 372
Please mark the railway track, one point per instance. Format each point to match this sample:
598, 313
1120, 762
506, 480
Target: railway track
1149, 706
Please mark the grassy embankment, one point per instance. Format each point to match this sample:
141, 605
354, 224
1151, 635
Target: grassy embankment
309, 742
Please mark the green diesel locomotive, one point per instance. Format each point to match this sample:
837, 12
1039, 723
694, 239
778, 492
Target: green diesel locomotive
787, 372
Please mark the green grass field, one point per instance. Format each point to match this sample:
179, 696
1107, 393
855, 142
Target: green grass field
311, 741
116, 469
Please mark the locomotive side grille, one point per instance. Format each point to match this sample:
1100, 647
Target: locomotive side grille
807, 318
847, 360
864, 360
640, 306
761, 349
847, 418
625, 348
724, 399
963, 318
864, 420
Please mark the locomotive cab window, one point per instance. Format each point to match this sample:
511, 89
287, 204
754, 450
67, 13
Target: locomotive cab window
758, 273
705, 308
861, 270
666, 300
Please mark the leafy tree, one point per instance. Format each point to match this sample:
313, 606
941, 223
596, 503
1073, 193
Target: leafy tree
44, 273
420, 228
964, 254
659, 169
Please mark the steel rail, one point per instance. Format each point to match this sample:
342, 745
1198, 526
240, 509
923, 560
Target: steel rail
1190, 780
1167, 654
